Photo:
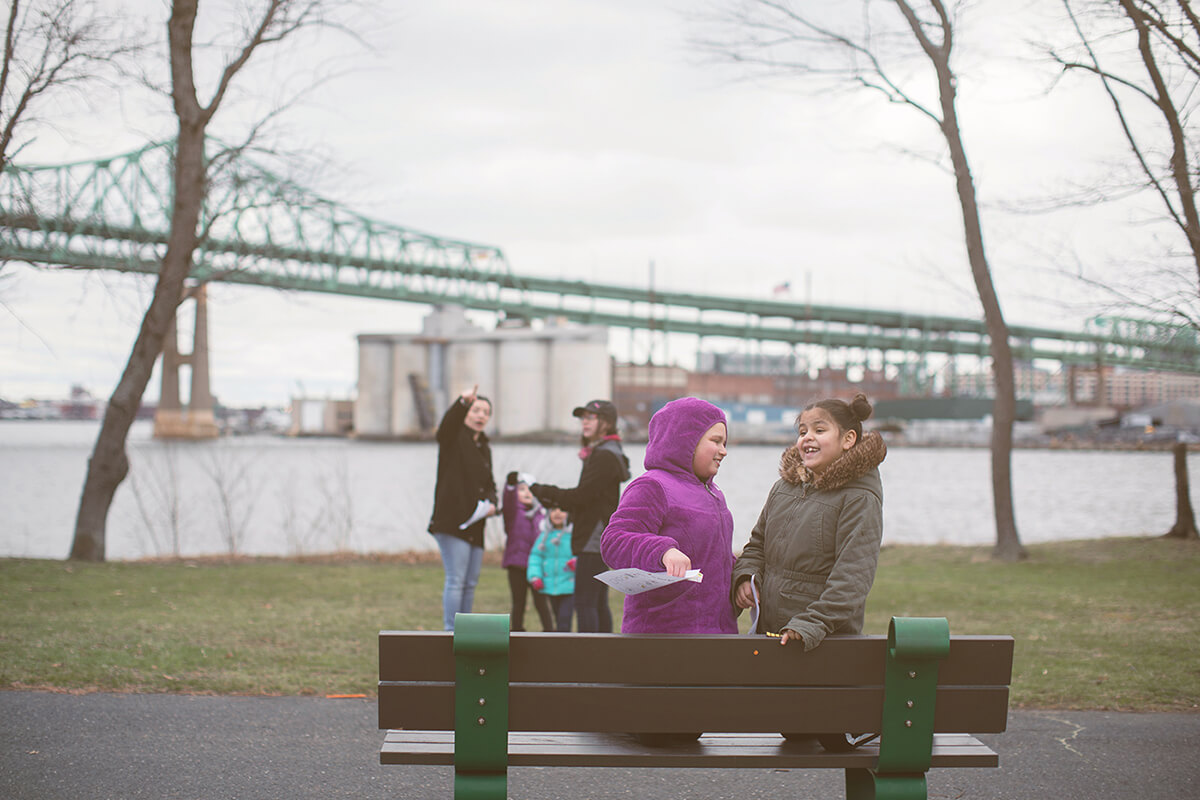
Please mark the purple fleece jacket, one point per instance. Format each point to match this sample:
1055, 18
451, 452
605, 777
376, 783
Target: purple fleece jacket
521, 526
667, 506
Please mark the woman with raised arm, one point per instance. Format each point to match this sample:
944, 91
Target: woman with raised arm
463, 497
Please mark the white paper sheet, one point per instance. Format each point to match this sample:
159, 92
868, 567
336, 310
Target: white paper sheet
636, 581
481, 510
756, 609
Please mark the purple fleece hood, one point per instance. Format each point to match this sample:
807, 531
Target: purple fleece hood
676, 429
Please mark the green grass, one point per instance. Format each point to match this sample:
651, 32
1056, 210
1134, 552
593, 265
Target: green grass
1107, 624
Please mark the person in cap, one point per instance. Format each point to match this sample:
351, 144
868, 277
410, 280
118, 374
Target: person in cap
590, 504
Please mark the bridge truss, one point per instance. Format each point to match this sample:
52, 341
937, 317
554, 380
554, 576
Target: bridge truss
260, 229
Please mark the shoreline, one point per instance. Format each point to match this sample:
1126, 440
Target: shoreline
493, 557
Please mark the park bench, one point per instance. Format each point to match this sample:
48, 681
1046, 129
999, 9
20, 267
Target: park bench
483, 700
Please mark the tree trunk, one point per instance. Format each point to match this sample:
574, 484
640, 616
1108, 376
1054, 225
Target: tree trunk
1004, 408
1185, 520
108, 464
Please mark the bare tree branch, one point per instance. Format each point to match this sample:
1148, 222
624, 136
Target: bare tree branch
52, 47
1156, 39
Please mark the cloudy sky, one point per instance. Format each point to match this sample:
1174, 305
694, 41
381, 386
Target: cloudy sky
587, 138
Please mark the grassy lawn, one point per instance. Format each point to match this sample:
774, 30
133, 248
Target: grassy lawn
1107, 624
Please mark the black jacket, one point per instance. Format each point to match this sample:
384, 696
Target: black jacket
464, 476
593, 501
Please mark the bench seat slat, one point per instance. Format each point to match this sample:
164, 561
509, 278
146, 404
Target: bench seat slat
686, 659
716, 750
607, 708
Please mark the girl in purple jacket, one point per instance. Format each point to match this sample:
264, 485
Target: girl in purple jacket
522, 521
674, 518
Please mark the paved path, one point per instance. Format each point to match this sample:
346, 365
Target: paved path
170, 747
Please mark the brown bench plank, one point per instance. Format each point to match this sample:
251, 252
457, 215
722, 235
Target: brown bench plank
712, 750
589, 707
680, 660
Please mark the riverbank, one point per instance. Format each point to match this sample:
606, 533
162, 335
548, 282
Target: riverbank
1107, 624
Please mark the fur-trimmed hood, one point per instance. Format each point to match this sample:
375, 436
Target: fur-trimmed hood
854, 463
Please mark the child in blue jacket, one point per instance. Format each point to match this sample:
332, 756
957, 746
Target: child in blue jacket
552, 566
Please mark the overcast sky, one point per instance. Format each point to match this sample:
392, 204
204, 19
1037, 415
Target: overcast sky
586, 138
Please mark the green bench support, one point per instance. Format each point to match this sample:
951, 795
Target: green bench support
915, 646
481, 706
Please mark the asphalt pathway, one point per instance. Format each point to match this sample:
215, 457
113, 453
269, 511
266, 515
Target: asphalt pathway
168, 747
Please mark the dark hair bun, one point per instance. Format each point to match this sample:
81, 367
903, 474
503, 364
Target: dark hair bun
860, 406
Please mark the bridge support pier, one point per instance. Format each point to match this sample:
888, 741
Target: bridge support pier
196, 420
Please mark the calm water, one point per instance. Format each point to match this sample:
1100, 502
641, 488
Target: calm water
280, 496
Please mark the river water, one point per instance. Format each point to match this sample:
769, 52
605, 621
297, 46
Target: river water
266, 495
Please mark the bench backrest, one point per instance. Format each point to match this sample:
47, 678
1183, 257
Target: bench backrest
681, 683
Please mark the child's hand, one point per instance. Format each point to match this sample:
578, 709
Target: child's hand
571, 565
790, 635
676, 562
511, 479
745, 594
538, 583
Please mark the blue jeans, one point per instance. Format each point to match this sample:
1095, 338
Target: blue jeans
463, 563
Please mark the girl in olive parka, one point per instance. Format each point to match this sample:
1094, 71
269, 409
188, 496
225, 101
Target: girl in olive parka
813, 552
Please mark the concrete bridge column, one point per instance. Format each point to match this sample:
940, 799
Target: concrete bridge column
196, 420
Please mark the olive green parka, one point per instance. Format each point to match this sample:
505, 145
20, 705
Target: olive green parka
815, 547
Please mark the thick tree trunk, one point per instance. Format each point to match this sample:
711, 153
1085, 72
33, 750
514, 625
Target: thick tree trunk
1185, 519
108, 464
1004, 408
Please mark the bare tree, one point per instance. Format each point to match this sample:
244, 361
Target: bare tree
1146, 55
270, 22
880, 47
235, 485
157, 488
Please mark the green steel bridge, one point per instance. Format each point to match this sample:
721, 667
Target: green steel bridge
262, 230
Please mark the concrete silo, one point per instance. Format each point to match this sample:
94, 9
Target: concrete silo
535, 374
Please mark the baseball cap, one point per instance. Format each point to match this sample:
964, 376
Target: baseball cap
601, 408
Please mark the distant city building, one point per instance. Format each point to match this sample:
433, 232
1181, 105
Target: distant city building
1125, 388
1041, 386
762, 392
1121, 388
81, 404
